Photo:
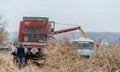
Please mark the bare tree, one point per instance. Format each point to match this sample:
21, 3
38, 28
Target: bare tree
3, 32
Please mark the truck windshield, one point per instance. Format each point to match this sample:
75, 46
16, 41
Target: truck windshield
34, 34
82, 45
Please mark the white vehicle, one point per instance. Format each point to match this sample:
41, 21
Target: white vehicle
84, 46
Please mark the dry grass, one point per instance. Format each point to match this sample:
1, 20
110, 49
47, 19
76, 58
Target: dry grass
61, 57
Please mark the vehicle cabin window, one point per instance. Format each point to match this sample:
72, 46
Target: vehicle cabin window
83, 45
34, 34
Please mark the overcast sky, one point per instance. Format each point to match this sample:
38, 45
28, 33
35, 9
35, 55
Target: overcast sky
92, 15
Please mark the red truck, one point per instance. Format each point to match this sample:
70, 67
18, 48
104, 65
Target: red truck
34, 31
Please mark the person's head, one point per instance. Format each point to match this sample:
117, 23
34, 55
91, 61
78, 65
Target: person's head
20, 44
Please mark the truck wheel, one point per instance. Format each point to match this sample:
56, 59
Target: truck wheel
40, 62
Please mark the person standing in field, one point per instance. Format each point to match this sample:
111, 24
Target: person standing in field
20, 53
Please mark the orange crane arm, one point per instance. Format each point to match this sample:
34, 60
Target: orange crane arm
71, 29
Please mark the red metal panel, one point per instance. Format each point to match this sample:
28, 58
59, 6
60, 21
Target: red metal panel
21, 32
35, 23
40, 24
34, 46
48, 28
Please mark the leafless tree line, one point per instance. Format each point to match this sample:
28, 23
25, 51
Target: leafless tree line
3, 32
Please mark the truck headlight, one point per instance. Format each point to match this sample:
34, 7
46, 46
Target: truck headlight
34, 50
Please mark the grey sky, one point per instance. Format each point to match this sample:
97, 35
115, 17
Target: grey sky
92, 15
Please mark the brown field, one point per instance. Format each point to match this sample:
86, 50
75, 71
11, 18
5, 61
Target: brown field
61, 57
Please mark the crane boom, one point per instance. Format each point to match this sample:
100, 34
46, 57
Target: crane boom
71, 29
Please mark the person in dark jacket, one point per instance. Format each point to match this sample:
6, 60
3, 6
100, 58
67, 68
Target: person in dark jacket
21, 56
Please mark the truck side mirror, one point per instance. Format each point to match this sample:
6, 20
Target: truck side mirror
52, 25
52, 29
